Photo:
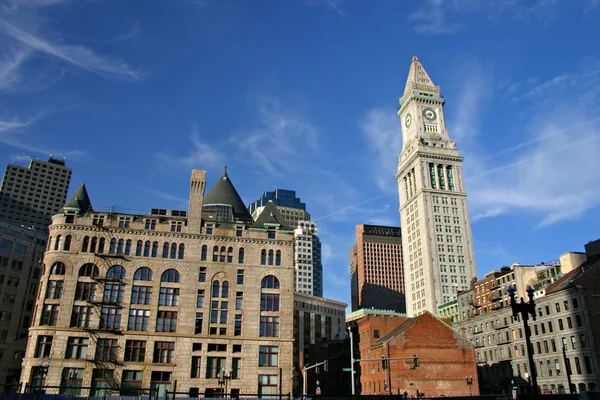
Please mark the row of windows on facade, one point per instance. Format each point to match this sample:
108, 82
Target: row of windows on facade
7, 246
566, 307
103, 381
135, 351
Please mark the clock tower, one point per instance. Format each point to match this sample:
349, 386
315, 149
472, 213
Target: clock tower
436, 232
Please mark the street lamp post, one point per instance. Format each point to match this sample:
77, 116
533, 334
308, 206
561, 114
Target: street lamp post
351, 359
525, 310
469, 380
223, 379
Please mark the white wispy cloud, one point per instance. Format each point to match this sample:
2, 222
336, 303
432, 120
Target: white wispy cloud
14, 124
11, 60
201, 154
166, 196
381, 130
79, 56
132, 33
438, 17
280, 143
549, 174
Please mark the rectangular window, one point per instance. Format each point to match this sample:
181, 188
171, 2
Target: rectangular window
131, 383
198, 326
138, 320
269, 302
135, 350
49, 314
237, 330
141, 294
236, 368
195, 367
102, 381
81, 316
72, 381
76, 347
269, 326
150, 225
106, 350
582, 341
239, 300
267, 385
54, 289
200, 299
573, 342
124, 222
240, 276
85, 291
268, 356
202, 274
214, 365
166, 321
168, 296
163, 352
43, 347
238, 231
110, 318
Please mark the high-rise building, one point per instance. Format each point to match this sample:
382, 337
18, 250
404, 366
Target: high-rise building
30, 196
307, 259
376, 271
21, 252
307, 245
436, 232
290, 206
202, 297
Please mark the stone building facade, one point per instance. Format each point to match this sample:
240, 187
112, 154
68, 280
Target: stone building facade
565, 318
203, 297
21, 252
436, 232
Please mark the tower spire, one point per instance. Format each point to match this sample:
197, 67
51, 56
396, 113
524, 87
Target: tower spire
419, 79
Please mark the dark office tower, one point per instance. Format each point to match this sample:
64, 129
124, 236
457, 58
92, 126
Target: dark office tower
290, 206
30, 196
377, 274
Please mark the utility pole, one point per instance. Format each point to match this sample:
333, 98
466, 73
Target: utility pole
351, 359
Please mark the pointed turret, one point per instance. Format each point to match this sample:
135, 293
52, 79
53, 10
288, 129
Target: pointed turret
80, 201
225, 200
270, 216
418, 79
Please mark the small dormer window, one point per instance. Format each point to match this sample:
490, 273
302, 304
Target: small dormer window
98, 220
209, 229
238, 231
70, 217
271, 234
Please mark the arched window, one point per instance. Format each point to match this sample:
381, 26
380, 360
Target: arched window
225, 290
128, 247
170, 275
147, 248
181, 251
222, 255
241, 255
67, 245
85, 244
215, 289
49, 243
215, 257
112, 248
270, 257
138, 248
101, 245
93, 245
230, 255
115, 272
165, 253
278, 257
143, 274
173, 250
154, 249
269, 282
120, 246
89, 270
263, 257
57, 268
57, 242
203, 254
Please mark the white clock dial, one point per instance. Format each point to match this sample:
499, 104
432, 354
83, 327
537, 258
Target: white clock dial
407, 120
429, 114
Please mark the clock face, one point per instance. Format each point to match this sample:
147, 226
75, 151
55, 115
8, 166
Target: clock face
429, 114
407, 120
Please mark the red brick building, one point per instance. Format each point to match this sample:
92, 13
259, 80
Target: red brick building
445, 357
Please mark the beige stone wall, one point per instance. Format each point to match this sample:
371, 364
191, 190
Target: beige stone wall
253, 241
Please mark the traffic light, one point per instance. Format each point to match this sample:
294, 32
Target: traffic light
415, 361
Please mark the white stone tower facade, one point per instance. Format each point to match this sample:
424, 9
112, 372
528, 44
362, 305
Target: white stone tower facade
436, 232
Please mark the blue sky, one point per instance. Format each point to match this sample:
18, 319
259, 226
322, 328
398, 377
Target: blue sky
302, 94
